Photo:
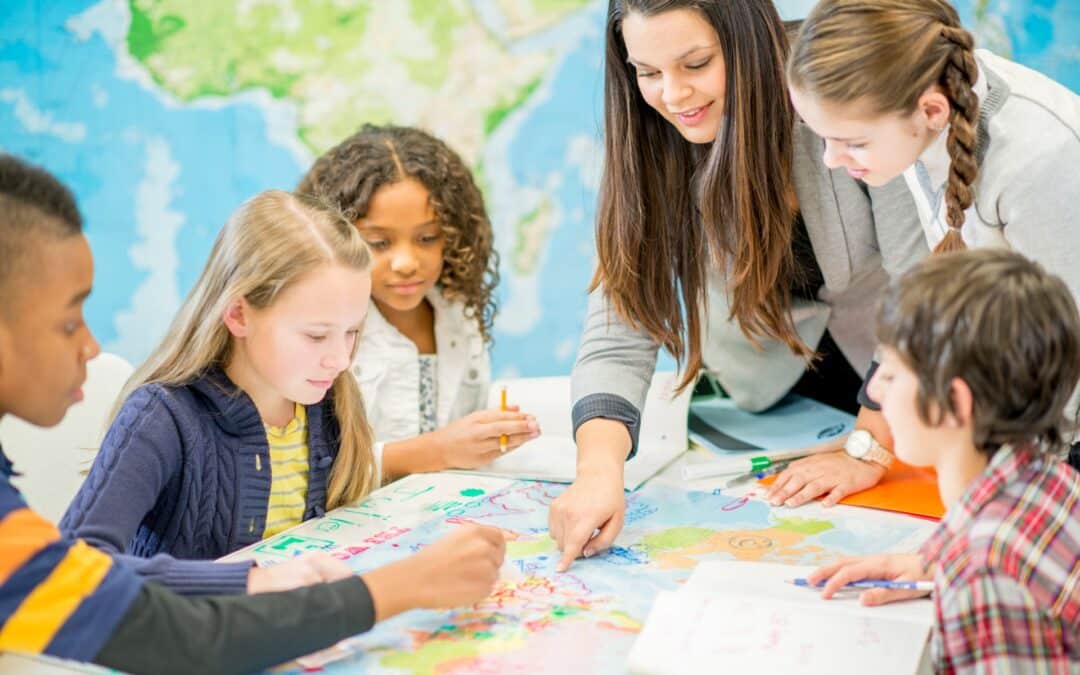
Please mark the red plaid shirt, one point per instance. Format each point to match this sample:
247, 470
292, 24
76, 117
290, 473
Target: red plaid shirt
1006, 563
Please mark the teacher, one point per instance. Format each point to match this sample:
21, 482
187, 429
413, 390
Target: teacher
720, 237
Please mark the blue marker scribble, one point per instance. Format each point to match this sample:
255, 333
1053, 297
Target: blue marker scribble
622, 555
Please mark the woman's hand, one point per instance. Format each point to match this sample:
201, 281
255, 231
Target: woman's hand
890, 567
833, 474
588, 515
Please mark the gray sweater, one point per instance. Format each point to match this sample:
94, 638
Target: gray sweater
860, 237
1026, 191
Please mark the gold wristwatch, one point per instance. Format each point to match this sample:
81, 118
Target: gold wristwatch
861, 444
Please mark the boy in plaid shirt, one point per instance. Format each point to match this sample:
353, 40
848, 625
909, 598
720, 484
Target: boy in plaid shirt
981, 353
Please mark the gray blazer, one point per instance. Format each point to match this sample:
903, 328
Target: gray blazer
860, 236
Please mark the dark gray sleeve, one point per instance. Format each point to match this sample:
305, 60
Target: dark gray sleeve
611, 407
864, 397
614, 368
168, 633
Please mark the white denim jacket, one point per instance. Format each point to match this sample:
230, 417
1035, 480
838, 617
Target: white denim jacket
387, 367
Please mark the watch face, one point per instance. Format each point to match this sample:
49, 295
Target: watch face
858, 443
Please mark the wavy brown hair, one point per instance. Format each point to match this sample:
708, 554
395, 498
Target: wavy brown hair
669, 209
1004, 326
349, 174
888, 52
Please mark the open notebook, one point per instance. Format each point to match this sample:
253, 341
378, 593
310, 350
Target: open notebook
740, 617
553, 456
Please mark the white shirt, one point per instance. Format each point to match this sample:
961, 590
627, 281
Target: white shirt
387, 368
1027, 180
927, 179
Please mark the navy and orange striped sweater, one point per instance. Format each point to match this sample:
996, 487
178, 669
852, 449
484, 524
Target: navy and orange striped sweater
57, 596
61, 597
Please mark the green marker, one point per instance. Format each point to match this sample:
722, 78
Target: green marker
742, 465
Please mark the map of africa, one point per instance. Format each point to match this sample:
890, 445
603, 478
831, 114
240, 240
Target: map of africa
164, 115
584, 620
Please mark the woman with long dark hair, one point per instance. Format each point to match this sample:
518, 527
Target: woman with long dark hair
722, 238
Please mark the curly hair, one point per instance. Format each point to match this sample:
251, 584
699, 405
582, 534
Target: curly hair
349, 174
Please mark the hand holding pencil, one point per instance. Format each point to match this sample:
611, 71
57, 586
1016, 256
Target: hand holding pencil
482, 437
888, 567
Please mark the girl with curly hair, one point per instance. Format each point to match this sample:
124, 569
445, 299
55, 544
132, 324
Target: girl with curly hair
422, 363
987, 148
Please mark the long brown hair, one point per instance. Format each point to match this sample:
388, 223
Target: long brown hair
266, 245
669, 210
888, 52
349, 174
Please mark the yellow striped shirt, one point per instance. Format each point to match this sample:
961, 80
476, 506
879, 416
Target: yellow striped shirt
288, 473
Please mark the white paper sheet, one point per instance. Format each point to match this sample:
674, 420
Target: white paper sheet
766, 581
553, 456
690, 633
743, 617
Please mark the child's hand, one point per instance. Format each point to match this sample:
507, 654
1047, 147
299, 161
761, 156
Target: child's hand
459, 569
310, 568
833, 474
473, 440
891, 567
462, 567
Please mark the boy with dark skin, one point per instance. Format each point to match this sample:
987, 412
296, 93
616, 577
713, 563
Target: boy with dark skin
62, 598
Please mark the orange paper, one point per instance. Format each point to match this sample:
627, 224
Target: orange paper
905, 489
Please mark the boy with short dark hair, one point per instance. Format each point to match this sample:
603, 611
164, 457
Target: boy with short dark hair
981, 353
63, 598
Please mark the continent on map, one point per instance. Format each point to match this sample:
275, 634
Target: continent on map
429, 63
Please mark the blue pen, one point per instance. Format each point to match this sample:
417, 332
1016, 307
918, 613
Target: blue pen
926, 586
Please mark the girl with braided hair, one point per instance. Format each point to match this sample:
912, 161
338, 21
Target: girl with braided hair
989, 150
422, 361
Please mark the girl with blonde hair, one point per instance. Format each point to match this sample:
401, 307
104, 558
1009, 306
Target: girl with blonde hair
244, 421
64, 599
988, 149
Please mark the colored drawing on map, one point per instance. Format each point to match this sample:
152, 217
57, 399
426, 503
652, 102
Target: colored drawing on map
585, 620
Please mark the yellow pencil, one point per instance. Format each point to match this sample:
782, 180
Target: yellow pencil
502, 406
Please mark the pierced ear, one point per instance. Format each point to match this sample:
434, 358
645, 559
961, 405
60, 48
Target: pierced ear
963, 404
235, 317
935, 108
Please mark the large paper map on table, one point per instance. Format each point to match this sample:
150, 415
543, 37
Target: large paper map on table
584, 620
